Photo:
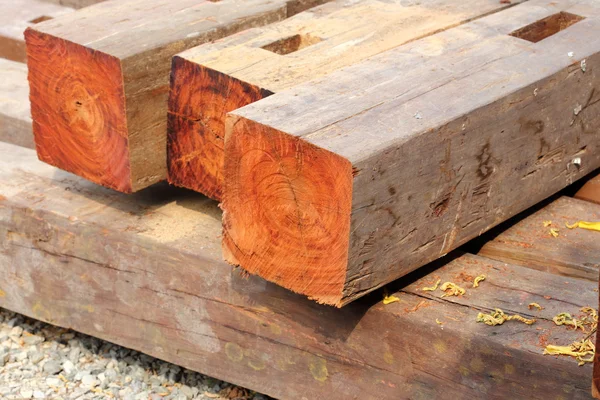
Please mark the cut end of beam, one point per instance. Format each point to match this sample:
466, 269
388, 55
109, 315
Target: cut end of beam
287, 207
199, 100
78, 110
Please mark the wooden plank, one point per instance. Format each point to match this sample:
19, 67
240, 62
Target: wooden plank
210, 80
590, 191
99, 80
16, 16
119, 268
15, 119
336, 200
575, 252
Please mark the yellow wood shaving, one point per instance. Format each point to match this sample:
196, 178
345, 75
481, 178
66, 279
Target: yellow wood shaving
576, 349
390, 299
452, 289
592, 226
554, 232
432, 288
592, 311
567, 319
497, 317
547, 223
477, 280
536, 305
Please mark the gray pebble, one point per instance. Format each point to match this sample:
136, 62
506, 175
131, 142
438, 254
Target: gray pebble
52, 367
89, 380
186, 391
32, 339
4, 357
68, 366
51, 381
36, 356
17, 331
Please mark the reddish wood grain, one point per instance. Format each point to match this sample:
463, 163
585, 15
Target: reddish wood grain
274, 178
86, 132
198, 102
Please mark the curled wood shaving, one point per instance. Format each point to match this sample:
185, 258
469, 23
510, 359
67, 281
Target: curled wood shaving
567, 319
498, 318
592, 226
452, 289
432, 288
477, 280
547, 223
534, 305
554, 232
576, 349
390, 299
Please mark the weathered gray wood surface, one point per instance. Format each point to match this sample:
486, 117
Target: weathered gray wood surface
15, 17
99, 80
575, 252
119, 268
479, 126
15, 117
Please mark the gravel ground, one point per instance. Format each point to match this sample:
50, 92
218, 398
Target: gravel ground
42, 361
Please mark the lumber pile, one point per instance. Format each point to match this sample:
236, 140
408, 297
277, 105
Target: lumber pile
392, 170
352, 144
211, 80
345, 156
99, 80
145, 271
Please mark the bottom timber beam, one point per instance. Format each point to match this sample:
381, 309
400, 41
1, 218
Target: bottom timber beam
529, 243
144, 271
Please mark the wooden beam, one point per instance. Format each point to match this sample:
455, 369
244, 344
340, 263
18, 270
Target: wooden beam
210, 80
335, 200
119, 268
17, 16
15, 119
99, 80
590, 191
574, 252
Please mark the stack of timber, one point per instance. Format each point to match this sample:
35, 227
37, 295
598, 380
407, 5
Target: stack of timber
15, 17
77, 255
99, 80
210, 80
388, 171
